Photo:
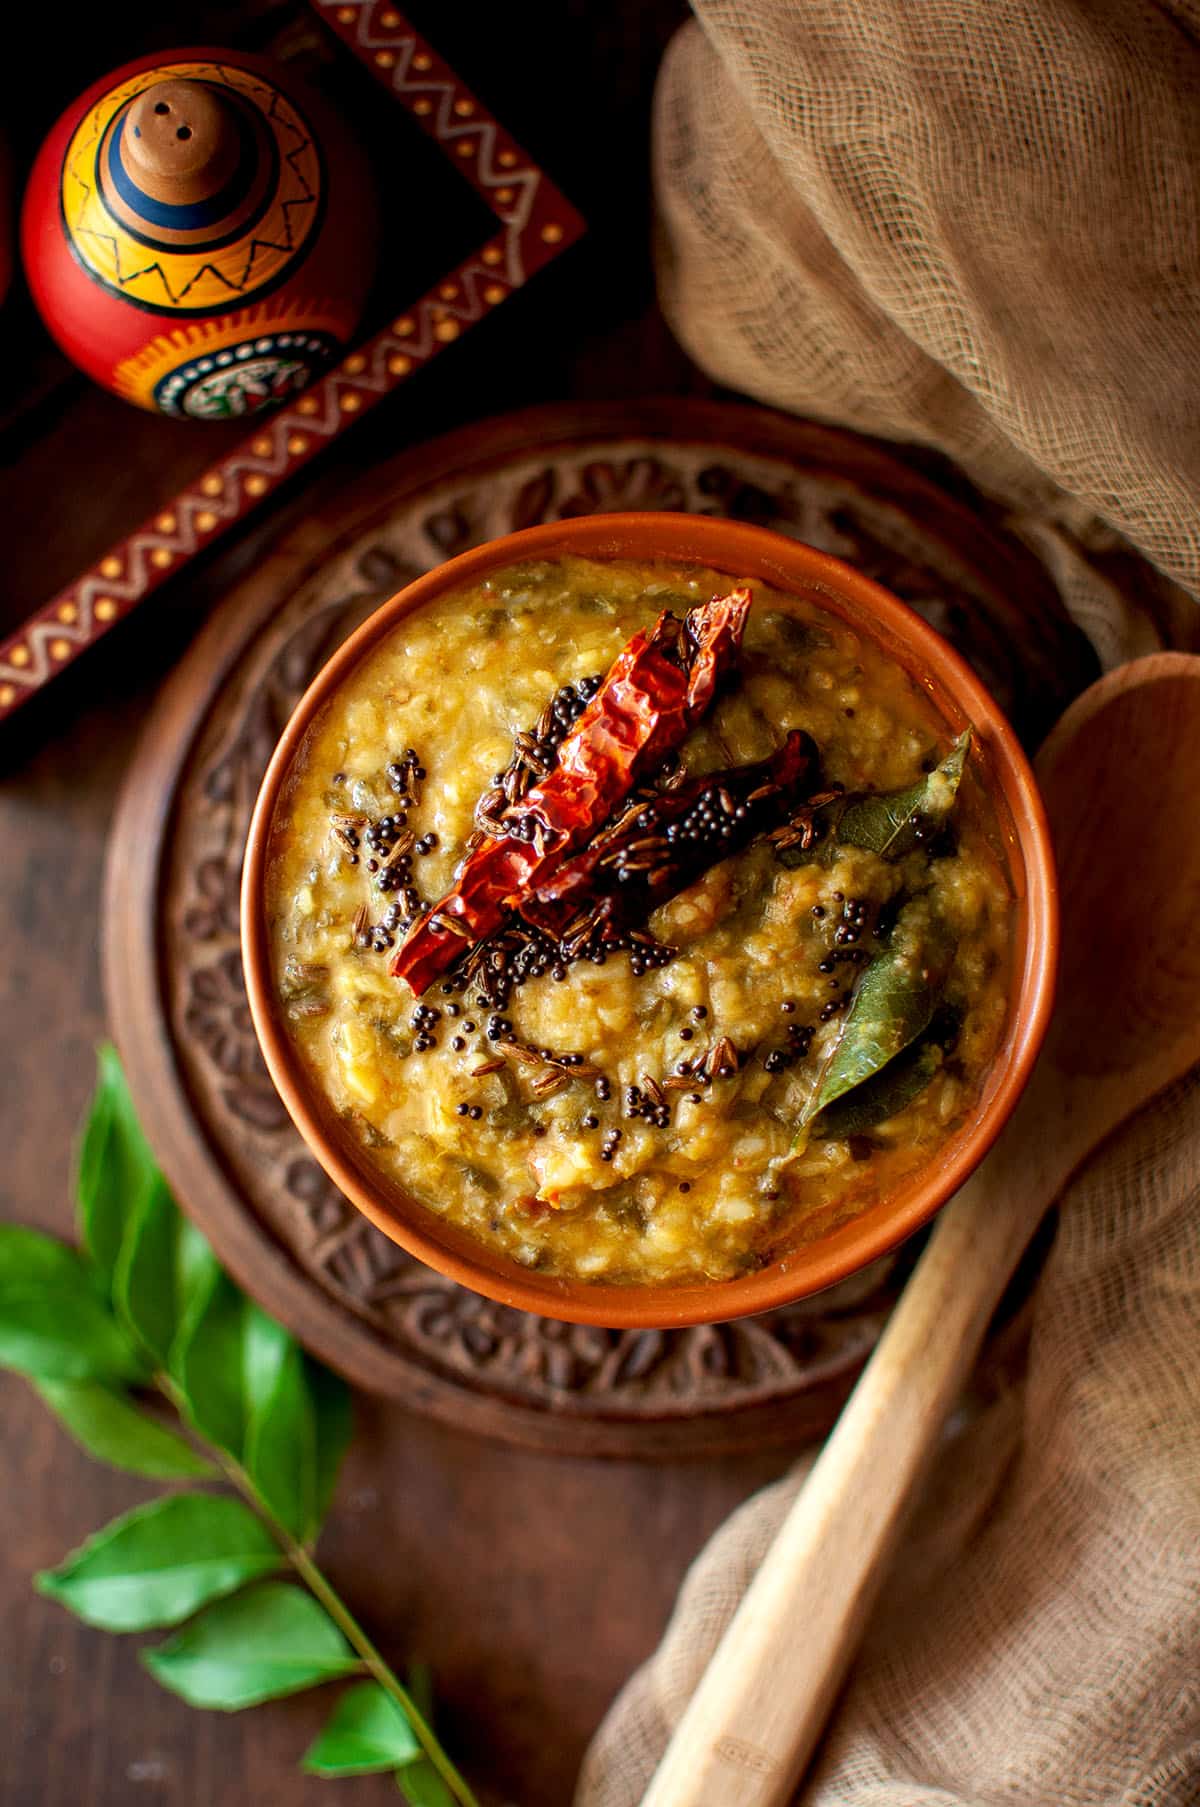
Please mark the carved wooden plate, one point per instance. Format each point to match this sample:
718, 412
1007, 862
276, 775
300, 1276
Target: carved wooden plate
173, 968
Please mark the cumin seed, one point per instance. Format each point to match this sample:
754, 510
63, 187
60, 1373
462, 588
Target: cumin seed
403, 844
450, 925
550, 1084
302, 969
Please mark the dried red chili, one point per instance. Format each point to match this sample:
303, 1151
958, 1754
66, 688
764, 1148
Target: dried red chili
658, 848
659, 685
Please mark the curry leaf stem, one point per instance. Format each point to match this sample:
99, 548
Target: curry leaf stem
302, 1562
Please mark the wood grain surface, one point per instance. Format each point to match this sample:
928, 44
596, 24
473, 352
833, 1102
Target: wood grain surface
534, 1584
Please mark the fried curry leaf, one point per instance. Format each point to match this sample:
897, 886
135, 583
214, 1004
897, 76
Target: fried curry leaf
895, 1086
893, 1004
890, 823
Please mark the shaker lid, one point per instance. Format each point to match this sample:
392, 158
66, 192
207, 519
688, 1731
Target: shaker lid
187, 164
194, 187
181, 141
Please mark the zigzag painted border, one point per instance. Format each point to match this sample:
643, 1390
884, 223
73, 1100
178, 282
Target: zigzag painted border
536, 224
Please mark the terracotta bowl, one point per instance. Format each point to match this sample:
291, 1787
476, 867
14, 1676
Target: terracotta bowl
958, 696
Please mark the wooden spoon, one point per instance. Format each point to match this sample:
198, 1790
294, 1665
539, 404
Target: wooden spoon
1120, 775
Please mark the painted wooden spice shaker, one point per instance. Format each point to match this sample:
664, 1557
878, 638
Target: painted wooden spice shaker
199, 233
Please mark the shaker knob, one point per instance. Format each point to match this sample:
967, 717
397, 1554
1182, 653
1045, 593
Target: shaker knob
180, 142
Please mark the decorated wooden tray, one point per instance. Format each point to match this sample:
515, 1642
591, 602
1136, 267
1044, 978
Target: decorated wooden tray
172, 962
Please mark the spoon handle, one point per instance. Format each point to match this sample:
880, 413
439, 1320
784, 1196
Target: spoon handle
762, 1703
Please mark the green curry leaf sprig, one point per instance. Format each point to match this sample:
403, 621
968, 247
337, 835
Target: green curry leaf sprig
144, 1317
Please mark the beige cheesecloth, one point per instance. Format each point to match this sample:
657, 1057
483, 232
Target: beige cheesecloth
976, 224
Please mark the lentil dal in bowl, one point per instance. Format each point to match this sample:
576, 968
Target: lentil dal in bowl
648, 920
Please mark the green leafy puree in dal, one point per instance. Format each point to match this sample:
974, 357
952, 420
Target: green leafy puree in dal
822, 1027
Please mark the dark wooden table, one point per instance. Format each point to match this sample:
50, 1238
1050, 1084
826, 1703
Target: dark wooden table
533, 1585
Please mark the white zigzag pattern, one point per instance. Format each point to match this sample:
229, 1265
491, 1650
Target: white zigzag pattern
139, 573
449, 127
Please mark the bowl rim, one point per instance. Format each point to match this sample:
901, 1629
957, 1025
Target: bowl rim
791, 566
